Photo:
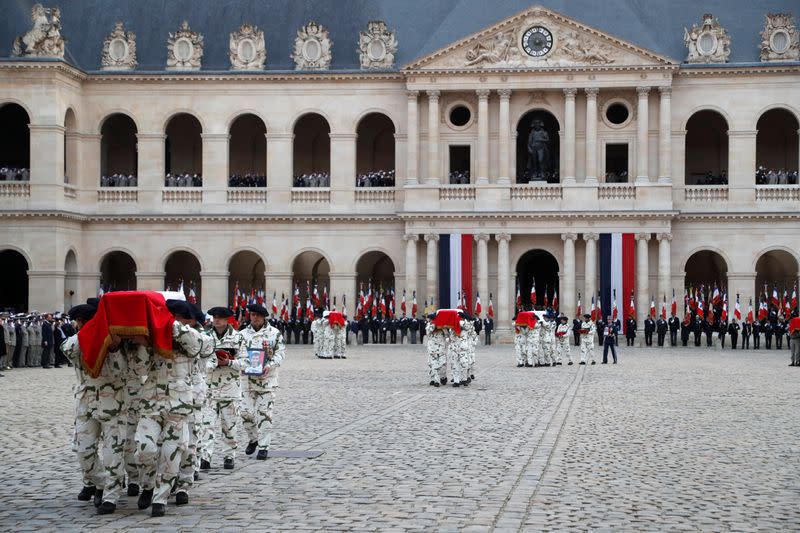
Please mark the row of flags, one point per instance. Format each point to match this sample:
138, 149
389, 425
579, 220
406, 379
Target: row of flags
534, 299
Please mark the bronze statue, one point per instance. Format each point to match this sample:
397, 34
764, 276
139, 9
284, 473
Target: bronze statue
539, 163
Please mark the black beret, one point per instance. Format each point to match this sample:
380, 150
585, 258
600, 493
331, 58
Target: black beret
587, 315
198, 313
83, 312
93, 301
179, 308
258, 309
223, 312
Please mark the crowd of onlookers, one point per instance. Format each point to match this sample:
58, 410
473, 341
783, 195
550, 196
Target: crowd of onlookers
183, 180
247, 180
313, 179
709, 178
459, 177
15, 174
530, 177
119, 180
33, 340
376, 178
617, 177
775, 176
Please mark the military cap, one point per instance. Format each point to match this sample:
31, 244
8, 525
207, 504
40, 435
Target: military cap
93, 301
198, 313
587, 316
258, 309
82, 312
179, 308
222, 312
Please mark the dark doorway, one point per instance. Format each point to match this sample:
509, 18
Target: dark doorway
459, 165
14, 281
525, 173
616, 163
541, 266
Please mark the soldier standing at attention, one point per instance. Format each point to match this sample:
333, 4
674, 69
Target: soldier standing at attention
587, 332
733, 331
562, 341
674, 324
649, 328
661, 331
630, 330
747, 330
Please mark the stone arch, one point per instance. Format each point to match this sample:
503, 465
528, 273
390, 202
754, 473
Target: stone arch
706, 107
778, 267
777, 144
785, 107
183, 144
539, 265
116, 111
8, 101
706, 266
118, 145
118, 270
311, 148
70, 146
706, 148
375, 110
247, 145
15, 143
247, 268
14, 281
188, 249
70, 278
375, 143
183, 266
246, 111
377, 267
310, 266
308, 111
523, 128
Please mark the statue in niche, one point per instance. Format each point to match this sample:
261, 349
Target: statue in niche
539, 163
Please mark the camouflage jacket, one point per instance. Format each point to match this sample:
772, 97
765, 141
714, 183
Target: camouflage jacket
592, 330
224, 382
254, 339
104, 394
548, 332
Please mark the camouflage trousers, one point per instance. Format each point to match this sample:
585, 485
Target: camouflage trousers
456, 358
106, 472
161, 439
131, 464
587, 348
205, 439
520, 342
562, 349
437, 363
257, 416
190, 461
227, 412
546, 354
339, 342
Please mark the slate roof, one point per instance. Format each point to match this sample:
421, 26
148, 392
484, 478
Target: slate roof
422, 26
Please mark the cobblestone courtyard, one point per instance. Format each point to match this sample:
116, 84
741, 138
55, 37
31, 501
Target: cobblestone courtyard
679, 439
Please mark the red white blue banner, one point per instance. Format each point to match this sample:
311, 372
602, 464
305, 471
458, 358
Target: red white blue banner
455, 271
617, 270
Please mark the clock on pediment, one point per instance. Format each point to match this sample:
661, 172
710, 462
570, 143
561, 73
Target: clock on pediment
537, 41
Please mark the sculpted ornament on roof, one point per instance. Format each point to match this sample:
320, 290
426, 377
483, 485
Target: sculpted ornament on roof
247, 49
377, 46
119, 49
779, 39
44, 38
184, 49
312, 48
707, 43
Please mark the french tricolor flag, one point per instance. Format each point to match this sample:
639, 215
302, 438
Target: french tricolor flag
617, 266
455, 270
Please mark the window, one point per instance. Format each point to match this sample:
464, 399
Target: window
617, 163
459, 165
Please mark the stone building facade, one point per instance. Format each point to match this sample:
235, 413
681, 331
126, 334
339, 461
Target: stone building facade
666, 147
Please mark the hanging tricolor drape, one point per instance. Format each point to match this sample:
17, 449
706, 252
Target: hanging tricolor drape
455, 270
617, 268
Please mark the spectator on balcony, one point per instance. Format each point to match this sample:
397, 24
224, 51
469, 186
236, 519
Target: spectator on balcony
14, 174
119, 180
459, 177
183, 180
314, 179
531, 177
376, 178
247, 180
614, 177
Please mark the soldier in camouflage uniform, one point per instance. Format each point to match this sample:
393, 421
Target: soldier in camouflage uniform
167, 403
470, 346
339, 341
224, 387
100, 413
316, 333
562, 341
520, 342
548, 341
534, 346
259, 393
437, 353
588, 331
190, 458
138, 358
460, 354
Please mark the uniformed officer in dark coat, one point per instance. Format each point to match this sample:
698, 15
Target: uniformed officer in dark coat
477, 323
576, 331
708, 329
610, 340
779, 329
618, 325
306, 329
697, 330
393, 325
363, 327
630, 330
600, 326
297, 329
403, 325
353, 325
747, 330
421, 327
488, 327
733, 331
649, 329
757, 329
674, 324
768, 332
686, 330
374, 327
661, 331
722, 328
413, 329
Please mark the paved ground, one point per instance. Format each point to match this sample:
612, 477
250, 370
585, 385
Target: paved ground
679, 439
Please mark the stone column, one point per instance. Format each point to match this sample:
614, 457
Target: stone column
151, 167
590, 268
280, 168
89, 169
47, 154
278, 283
149, 281
483, 136
412, 139
503, 287
344, 283
642, 281
343, 168
567, 296
411, 262
215, 167
434, 164
504, 138
641, 134
664, 265
665, 136
569, 136
214, 289
432, 266
483, 267
73, 159
591, 135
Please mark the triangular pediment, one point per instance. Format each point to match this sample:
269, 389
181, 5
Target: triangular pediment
571, 44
